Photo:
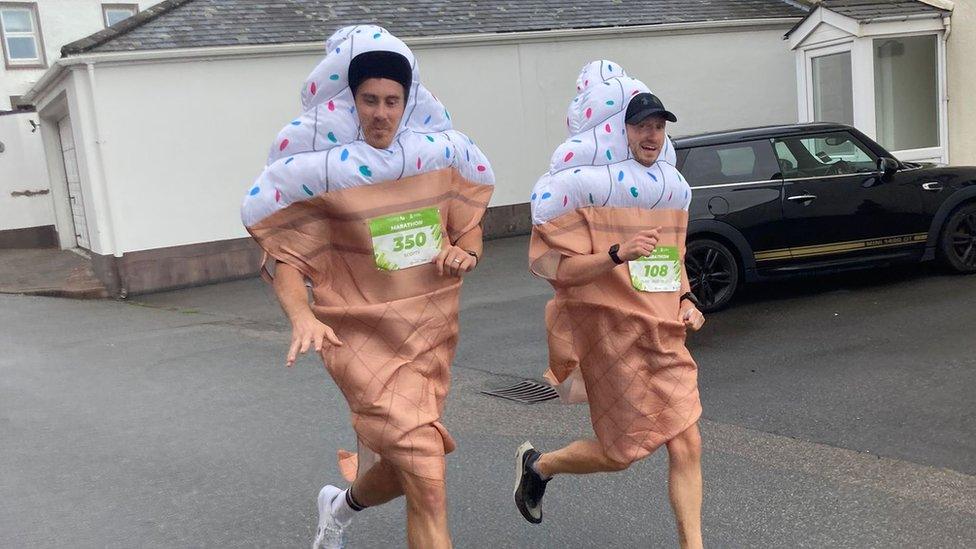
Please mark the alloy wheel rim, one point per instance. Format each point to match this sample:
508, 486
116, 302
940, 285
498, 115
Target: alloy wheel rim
709, 274
964, 240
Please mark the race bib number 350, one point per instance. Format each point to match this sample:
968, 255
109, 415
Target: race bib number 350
407, 239
658, 272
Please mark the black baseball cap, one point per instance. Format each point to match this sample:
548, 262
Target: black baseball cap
646, 104
380, 64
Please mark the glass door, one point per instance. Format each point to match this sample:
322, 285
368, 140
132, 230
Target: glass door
831, 86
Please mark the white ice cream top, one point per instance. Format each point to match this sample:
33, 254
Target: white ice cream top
594, 167
322, 150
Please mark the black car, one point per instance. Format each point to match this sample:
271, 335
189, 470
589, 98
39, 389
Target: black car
807, 198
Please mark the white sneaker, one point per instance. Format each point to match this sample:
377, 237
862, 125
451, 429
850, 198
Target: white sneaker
329, 534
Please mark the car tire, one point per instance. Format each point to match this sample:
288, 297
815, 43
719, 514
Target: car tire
713, 272
957, 243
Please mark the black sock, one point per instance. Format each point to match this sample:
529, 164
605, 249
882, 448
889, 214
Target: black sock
352, 503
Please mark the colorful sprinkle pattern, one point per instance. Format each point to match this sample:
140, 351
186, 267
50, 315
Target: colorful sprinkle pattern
593, 167
302, 162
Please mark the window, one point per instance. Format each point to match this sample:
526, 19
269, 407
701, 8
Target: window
824, 156
833, 88
732, 163
22, 46
906, 92
113, 13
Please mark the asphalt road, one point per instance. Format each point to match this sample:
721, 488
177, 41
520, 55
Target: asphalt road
839, 412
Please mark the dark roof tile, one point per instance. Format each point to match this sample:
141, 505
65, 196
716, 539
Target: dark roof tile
203, 23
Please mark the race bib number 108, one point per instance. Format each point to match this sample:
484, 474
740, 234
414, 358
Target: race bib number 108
658, 272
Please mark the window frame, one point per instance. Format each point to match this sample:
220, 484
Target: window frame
107, 7
37, 35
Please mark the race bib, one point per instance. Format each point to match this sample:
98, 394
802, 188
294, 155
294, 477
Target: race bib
407, 239
658, 272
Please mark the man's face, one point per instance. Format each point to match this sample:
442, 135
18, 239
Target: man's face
647, 138
380, 104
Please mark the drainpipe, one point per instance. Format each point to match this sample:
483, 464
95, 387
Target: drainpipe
947, 23
103, 183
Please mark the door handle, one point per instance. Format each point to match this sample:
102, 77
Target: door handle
802, 198
932, 187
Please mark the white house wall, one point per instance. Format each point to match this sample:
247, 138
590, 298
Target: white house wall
25, 199
71, 96
961, 67
61, 22
182, 141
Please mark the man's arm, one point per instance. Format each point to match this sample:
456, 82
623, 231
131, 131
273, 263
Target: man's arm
455, 260
583, 269
306, 330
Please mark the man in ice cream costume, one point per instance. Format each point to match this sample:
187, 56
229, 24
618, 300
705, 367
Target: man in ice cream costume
609, 225
372, 199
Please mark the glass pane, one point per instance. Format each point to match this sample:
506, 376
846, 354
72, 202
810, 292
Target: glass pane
733, 163
17, 20
787, 160
906, 92
21, 48
833, 89
113, 16
826, 155
737, 161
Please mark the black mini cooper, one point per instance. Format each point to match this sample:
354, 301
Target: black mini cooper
784, 200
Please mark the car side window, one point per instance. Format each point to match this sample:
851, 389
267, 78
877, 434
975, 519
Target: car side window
826, 155
730, 163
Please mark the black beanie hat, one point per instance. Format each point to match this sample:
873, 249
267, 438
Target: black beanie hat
380, 64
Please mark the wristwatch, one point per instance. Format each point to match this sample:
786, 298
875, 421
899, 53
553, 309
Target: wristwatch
613, 254
690, 297
474, 255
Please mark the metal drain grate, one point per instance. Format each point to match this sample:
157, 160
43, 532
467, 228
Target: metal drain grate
525, 392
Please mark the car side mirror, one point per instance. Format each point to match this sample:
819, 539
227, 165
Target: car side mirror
887, 167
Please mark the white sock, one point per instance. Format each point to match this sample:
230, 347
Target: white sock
341, 510
538, 472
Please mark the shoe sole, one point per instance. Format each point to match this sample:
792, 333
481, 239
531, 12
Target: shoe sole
519, 471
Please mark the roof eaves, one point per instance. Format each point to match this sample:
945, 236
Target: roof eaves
810, 13
122, 27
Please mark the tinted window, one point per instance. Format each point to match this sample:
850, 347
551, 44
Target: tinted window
824, 155
731, 163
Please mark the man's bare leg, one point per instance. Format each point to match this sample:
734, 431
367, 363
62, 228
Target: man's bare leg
378, 485
685, 485
426, 512
578, 458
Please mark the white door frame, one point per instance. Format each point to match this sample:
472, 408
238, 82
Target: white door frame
63, 222
808, 57
81, 233
941, 151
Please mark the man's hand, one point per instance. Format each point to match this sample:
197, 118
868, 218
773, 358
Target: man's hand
642, 244
454, 261
307, 332
692, 318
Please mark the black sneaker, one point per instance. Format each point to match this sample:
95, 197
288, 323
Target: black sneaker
529, 486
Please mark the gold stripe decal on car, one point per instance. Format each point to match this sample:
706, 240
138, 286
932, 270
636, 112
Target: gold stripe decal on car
841, 247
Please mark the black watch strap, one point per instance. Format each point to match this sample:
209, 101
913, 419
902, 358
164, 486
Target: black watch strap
690, 297
613, 254
474, 255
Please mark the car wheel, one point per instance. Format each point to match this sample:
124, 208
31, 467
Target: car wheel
713, 272
957, 245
